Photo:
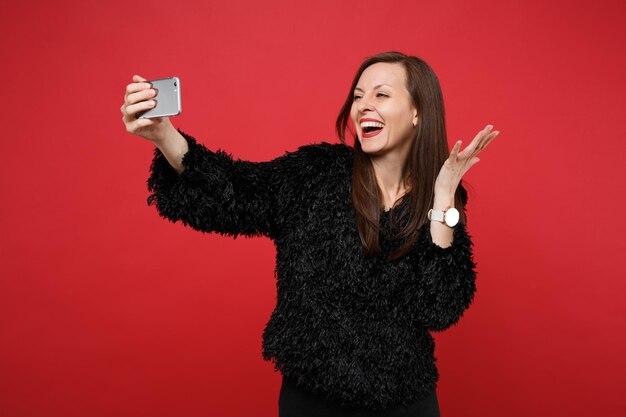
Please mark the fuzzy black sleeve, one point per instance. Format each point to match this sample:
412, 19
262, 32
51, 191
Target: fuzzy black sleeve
447, 278
216, 193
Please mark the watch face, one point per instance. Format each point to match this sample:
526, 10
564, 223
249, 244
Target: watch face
452, 217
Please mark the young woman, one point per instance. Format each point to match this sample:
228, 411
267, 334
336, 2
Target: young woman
372, 251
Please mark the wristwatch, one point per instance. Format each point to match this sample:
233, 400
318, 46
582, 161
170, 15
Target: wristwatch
449, 217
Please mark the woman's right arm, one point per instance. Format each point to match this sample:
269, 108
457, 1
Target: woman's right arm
210, 190
174, 147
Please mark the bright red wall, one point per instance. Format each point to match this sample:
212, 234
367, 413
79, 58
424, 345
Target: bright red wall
108, 310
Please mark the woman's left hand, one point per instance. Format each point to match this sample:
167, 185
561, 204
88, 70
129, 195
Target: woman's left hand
458, 163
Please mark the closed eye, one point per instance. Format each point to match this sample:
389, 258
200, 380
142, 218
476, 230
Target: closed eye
379, 94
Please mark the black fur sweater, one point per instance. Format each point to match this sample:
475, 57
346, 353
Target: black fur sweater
352, 328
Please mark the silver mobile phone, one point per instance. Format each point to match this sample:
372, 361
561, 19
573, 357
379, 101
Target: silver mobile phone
167, 99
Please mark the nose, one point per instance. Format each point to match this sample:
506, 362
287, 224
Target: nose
364, 104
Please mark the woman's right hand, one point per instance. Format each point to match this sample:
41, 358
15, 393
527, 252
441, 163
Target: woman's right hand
138, 97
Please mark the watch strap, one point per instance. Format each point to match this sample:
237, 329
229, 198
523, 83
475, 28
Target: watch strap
436, 215
448, 217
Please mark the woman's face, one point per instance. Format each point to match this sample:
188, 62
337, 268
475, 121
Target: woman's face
381, 95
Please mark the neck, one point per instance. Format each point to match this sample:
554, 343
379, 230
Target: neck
389, 173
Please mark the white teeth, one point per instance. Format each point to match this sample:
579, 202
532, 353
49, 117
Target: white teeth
372, 124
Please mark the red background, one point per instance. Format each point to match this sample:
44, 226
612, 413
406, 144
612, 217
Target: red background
108, 310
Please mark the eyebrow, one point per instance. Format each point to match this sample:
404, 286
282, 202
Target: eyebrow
379, 85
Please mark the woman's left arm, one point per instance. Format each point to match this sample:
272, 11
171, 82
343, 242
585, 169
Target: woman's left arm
445, 262
449, 178
446, 278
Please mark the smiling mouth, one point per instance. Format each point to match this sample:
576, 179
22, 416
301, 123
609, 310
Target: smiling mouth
370, 131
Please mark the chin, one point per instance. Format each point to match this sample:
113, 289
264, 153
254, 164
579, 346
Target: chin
372, 145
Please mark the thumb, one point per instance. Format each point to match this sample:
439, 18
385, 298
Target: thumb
137, 78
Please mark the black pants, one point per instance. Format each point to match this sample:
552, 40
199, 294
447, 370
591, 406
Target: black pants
295, 401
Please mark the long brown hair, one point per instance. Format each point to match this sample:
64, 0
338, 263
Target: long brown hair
429, 151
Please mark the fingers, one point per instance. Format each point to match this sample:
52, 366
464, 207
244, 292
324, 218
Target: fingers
473, 162
487, 137
480, 142
137, 98
139, 123
455, 150
488, 140
132, 106
141, 95
131, 111
480, 138
135, 87
136, 125
138, 84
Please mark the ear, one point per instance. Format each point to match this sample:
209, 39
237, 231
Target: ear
415, 118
